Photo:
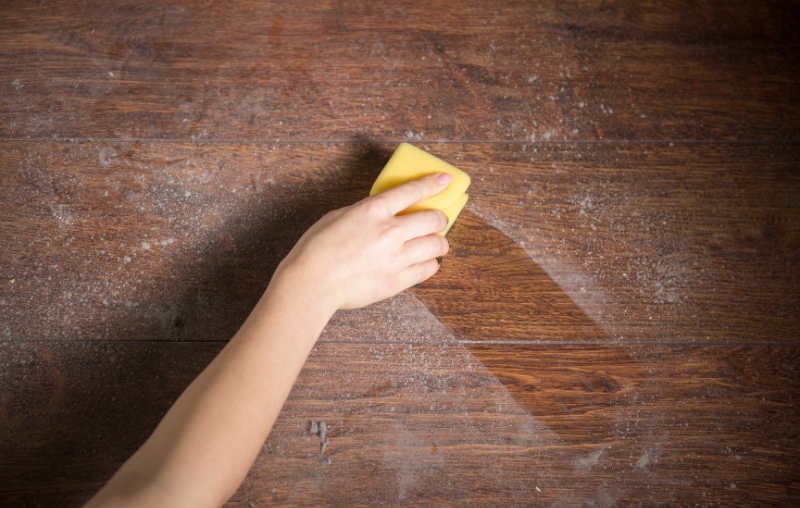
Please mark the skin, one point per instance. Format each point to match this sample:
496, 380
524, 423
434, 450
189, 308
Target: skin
202, 449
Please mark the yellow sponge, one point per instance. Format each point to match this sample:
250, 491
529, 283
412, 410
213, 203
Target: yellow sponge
410, 163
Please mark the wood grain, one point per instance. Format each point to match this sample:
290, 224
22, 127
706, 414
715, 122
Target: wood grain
72, 412
430, 422
503, 294
637, 242
388, 70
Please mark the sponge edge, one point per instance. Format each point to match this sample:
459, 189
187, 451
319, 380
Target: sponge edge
410, 163
454, 211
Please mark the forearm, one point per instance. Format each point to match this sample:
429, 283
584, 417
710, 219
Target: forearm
350, 258
207, 441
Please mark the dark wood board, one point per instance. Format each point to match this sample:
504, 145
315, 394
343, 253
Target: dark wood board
559, 242
390, 70
434, 421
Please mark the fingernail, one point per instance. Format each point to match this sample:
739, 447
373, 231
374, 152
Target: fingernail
444, 178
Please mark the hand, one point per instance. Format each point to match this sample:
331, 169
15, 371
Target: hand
364, 253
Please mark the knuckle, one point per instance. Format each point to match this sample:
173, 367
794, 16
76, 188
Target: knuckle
390, 232
433, 247
376, 206
443, 221
431, 268
444, 246
417, 191
435, 219
424, 271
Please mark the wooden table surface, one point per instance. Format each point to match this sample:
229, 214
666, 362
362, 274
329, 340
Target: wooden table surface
618, 322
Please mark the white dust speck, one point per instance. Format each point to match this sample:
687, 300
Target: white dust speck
145, 246
126, 259
644, 460
107, 155
187, 194
589, 461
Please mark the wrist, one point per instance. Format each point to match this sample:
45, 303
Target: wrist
288, 308
304, 290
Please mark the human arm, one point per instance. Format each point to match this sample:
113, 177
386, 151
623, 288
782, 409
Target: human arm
207, 441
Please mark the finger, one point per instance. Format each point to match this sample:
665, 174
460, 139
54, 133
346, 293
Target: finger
417, 273
423, 223
424, 248
401, 197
